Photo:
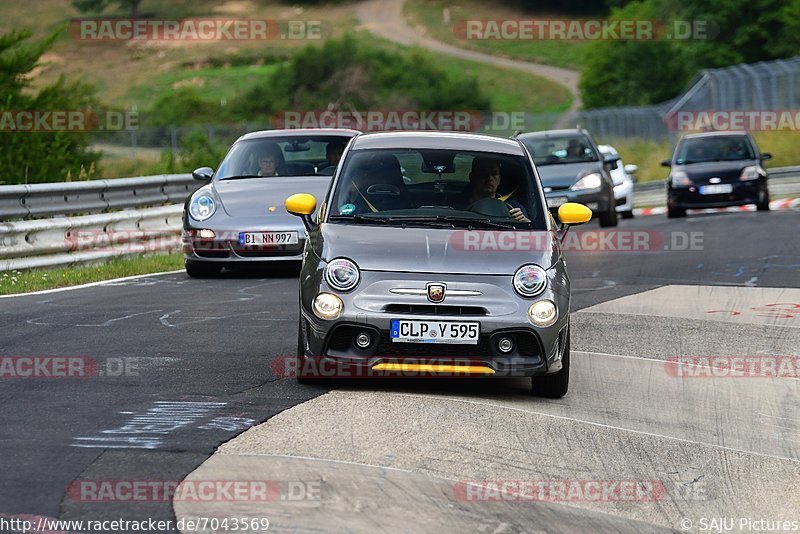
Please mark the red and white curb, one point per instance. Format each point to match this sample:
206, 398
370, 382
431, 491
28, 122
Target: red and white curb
776, 205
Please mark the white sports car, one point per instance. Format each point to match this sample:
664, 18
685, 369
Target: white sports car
623, 182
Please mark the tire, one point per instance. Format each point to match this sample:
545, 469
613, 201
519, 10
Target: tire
556, 385
763, 199
609, 218
303, 377
199, 269
674, 213
627, 214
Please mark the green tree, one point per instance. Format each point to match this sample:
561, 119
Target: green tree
349, 72
39, 156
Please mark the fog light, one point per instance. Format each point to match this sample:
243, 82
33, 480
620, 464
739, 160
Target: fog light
505, 345
327, 306
206, 234
543, 313
363, 340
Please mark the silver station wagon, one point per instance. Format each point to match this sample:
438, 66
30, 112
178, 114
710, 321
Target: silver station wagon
434, 254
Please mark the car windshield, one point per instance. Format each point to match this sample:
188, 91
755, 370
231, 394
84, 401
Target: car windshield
554, 150
442, 188
717, 148
283, 156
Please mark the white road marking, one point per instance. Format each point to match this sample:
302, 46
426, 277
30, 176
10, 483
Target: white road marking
91, 284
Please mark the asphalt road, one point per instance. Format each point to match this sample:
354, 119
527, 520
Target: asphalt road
186, 367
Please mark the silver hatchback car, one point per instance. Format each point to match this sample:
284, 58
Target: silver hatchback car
433, 254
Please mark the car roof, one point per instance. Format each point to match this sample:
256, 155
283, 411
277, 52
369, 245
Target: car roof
607, 148
715, 133
438, 140
299, 132
553, 133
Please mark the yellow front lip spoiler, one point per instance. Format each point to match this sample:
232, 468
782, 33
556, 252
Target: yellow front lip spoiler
434, 368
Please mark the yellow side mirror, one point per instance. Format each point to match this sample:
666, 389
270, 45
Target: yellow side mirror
301, 204
573, 213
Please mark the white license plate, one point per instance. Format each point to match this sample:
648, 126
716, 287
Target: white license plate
268, 238
716, 189
459, 333
555, 202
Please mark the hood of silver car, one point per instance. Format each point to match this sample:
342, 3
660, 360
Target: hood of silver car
434, 250
250, 197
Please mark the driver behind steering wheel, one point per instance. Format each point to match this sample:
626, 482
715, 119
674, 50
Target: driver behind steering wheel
484, 179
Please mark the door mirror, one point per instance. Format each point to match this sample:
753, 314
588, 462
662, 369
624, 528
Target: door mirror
610, 162
666, 163
765, 156
203, 174
303, 206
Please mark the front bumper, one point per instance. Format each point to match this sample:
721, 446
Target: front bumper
690, 197
225, 248
623, 196
595, 200
330, 345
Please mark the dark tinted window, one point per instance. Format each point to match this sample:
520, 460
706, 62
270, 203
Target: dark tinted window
717, 148
560, 149
386, 186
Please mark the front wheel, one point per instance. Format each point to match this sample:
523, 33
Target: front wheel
556, 385
609, 218
674, 213
763, 199
304, 372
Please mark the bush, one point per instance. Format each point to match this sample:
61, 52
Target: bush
347, 72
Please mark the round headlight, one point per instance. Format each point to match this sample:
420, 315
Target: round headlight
202, 207
530, 280
328, 306
543, 313
590, 181
342, 274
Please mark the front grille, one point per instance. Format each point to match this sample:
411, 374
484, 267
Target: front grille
211, 253
264, 252
434, 309
432, 350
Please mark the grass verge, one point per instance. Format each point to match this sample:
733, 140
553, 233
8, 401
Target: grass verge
13, 282
430, 15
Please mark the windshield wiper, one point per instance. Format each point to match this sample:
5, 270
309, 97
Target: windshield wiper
451, 220
359, 219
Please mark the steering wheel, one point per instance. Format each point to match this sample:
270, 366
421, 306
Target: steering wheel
493, 207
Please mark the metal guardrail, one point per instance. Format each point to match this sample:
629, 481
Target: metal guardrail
55, 241
95, 196
89, 238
